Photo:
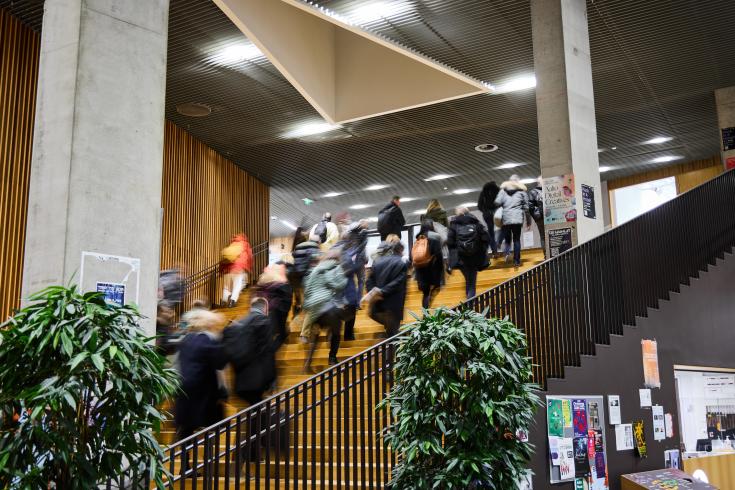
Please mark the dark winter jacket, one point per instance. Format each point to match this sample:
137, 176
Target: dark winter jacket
249, 347
352, 262
486, 201
437, 215
480, 260
513, 198
389, 274
536, 203
432, 274
304, 258
200, 356
394, 222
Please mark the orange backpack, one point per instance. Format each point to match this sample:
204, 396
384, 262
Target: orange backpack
420, 253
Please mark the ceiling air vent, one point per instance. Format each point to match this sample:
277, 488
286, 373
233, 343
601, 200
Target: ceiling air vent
486, 148
193, 109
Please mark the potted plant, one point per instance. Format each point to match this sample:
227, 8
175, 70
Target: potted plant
462, 390
80, 384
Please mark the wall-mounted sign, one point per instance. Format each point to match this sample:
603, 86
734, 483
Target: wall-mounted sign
559, 200
560, 240
588, 202
640, 439
728, 139
651, 378
113, 292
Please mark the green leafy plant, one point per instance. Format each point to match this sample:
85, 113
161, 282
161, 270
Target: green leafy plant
463, 388
79, 387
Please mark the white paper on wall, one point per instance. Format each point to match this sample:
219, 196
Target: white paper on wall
554, 450
624, 437
659, 429
669, 422
613, 409
566, 458
645, 394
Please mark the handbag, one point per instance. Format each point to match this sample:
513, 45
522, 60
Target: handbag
498, 217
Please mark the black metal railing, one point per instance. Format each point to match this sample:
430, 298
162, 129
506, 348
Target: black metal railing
325, 432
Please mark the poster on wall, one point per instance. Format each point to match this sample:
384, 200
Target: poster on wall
112, 292
613, 409
566, 409
566, 459
659, 429
588, 202
669, 423
581, 457
560, 240
651, 377
728, 139
624, 440
640, 439
645, 395
555, 417
559, 200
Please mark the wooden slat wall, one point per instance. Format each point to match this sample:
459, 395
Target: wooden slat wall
673, 171
206, 199
19, 51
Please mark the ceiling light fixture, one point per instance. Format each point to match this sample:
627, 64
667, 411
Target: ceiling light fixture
373, 219
409, 199
308, 129
419, 211
193, 109
333, 194
375, 11
468, 205
439, 177
658, 140
528, 181
274, 218
667, 158
237, 53
359, 206
613, 147
288, 224
509, 165
523, 82
376, 187
486, 148
605, 168
462, 191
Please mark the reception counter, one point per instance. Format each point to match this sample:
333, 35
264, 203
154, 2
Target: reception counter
719, 468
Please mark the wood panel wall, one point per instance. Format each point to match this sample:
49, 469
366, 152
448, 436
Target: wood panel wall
687, 175
19, 51
206, 199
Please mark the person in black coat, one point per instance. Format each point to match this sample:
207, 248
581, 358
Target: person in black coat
390, 219
200, 357
486, 205
431, 276
389, 276
275, 288
250, 348
469, 263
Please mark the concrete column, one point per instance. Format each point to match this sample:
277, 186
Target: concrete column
98, 148
565, 105
725, 100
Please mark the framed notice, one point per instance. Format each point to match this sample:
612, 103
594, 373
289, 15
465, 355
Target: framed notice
588, 202
560, 240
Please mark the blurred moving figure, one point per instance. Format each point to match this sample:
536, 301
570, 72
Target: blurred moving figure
200, 357
248, 345
428, 262
236, 264
486, 205
387, 286
353, 259
274, 287
468, 241
536, 210
390, 219
324, 304
198, 305
435, 213
514, 200
305, 256
165, 327
325, 232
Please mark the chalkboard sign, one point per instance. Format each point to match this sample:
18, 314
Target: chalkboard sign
728, 139
588, 202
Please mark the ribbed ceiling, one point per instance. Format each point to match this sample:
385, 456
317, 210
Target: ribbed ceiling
655, 66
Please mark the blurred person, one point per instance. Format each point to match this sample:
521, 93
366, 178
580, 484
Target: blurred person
390, 219
165, 327
305, 257
353, 263
275, 288
199, 304
387, 285
435, 213
343, 221
325, 232
486, 205
248, 345
359, 239
384, 247
514, 200
324, 304
201, 356
171, 286
468, 242
536, 210
429, 273
237, 263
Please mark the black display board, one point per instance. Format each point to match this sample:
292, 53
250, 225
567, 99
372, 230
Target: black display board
588, 202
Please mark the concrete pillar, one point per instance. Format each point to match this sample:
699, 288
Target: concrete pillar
725, 100
566, 113
98, 148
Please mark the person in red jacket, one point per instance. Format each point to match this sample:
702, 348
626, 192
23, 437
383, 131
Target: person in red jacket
237, 263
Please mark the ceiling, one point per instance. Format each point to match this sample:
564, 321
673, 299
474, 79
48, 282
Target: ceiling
655, 66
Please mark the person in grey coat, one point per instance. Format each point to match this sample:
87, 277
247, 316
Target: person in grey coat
514, 200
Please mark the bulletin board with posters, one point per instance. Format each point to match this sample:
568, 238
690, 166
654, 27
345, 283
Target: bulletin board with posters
576, 435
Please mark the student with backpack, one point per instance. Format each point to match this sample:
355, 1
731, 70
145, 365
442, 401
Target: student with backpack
514, 200
536, 210
468, 240
325, 232
305, 256
390, 219
428, 263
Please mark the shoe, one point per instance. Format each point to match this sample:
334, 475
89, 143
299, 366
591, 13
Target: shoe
333, 360
349, 337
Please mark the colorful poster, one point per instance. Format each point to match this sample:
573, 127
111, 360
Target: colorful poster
566, 408
600, 467
651, 377
640, 439
624, 437
613, 409
659, 429
594, 415
581, 458
555, 418
591, 444
599, 442
580, 484
579, 416
566, 458
559, 200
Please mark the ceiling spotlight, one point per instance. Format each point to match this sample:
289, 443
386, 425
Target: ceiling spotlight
462, 191
605, 168
667, 158
373, 219
528, 181
658, 140
409, 199
308, 129
333, 194
515, 84
376, 187
509, 165
439, 177
600, 150
419, 211
274, 218
359, 206
237, 53
468, 204
288, 224
613, 147
486, 148
375, 11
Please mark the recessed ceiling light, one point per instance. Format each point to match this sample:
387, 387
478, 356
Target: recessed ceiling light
377, 10
600, 150
373, 219
193, 109
274, 218
658, 140
308, 129
376, 187
468, 204
523, 82
667, 158
530, 180
605, 168
359, 206
409, 199
419, 211
439, 177
462, 191
509, 165
486, 148
613, 147
288, 224
237, 53
333, 194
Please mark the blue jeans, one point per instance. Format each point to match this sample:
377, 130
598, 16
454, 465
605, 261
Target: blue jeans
514, 232
470, 281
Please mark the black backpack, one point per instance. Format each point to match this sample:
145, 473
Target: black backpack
468, 240
535, 205
321, 231
384, 220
